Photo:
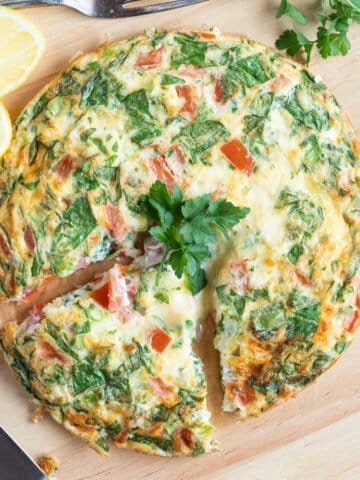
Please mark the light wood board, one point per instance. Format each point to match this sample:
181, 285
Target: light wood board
316, 435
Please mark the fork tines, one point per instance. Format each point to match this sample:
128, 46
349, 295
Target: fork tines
154, 7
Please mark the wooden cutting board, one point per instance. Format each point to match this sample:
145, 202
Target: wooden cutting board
315, 436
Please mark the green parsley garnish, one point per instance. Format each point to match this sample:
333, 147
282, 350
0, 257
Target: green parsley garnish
187, 228
335, 19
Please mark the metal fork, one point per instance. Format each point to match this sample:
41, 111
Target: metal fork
105, 8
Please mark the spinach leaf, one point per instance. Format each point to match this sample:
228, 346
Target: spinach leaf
94, 92
322, 359
304, 216
160, 413
60, 339
192, 51
162, 444
107, 173
28, 185
68, 84
39, 106
270, 317
242, 73
145, 135
137, 106
187, 397
157, 39
341, 346
36, 265
102, 442
85, 377
170, 80
304, 321
83, 181
114, 429
313, 153
316, 118
198, 137
295, 253
118, 387
78, 222
82, 327
260, 109
22, 370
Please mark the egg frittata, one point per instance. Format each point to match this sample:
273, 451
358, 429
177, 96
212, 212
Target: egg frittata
215, 117
113, 360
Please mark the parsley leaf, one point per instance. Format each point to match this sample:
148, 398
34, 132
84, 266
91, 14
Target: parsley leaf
286, 8
332, 32
187, 228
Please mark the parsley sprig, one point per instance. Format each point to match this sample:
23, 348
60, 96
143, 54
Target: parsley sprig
187, 228
335, 19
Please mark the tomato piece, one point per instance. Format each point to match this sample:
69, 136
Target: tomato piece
161, 170
160, 388
193, 71
351, 321
118, 288
5, 246
177, 155
130, 347
279, 84
218, 92
190, 95
101, 296
29, 238
184, 439
238, 155
240, 278
66, 165
150, 59
302, 278
47, 352
159, 340
29, 295
34, 317
242, 394
207, 35
122, 437
115, 222
355, 282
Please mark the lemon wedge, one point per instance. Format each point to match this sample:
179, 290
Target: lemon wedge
5, 129
21, 46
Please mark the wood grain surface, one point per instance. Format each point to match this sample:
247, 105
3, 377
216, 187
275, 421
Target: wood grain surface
315, 436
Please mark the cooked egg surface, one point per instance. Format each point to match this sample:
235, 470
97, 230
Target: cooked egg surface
107, 363
213, 114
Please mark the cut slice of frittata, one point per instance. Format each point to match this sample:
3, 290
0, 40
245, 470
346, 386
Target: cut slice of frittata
113, 360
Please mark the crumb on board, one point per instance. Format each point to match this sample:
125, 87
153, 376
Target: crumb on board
49, 465
38, 414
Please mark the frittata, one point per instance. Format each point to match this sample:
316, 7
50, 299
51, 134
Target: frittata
223, 124
113, 360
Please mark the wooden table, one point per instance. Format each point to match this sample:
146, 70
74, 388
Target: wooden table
317, 435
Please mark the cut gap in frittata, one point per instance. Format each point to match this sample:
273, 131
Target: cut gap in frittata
113, 360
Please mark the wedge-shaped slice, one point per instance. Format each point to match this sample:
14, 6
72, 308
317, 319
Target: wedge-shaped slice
113, 360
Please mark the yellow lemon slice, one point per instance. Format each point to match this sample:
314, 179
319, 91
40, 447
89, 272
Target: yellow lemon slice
21, 46
5, 129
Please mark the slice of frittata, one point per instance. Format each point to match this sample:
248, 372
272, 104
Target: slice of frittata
113, 360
